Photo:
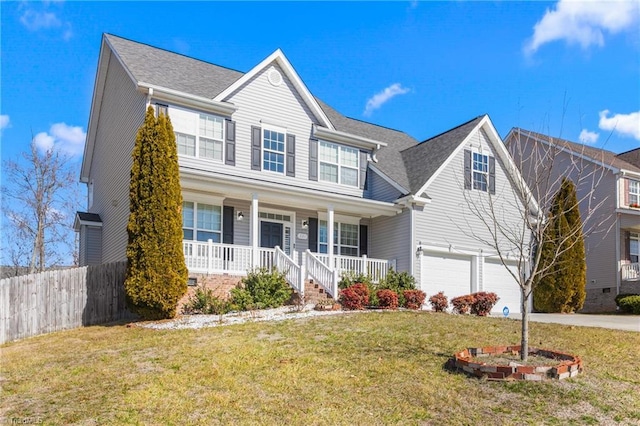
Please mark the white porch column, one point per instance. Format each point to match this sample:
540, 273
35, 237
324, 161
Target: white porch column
330, 241
254, 226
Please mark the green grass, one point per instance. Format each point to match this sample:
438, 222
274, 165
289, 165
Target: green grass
373, 368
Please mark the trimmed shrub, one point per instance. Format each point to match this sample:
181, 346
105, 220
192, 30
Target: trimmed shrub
387, 299
462, 304
355, 297
414, 298
439, 302
203, 301
483, 302
398, 282
349, 278
622, 296
261, 289
156, 270
630, 305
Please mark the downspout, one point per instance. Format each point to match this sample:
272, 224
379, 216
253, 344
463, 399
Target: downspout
149, 96
412, 253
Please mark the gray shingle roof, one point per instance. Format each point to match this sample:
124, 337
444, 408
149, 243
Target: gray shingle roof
89, 217
424, 159
171, 70
632, 157
597, 154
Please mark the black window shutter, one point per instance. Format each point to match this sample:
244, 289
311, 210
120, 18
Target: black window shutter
256, 148
291, 155
467, 169
313, 159
313, 234
363, 168
364, 240
492, 175
227, 225
627, 246
230, 143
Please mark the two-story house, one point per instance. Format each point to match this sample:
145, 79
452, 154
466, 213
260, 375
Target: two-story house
272, 176
608, 189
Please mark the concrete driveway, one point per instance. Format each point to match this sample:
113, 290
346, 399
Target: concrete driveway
615, 322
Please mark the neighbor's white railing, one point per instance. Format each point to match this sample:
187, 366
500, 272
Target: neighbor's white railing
293, 272
376, 268
321, 273
631, 272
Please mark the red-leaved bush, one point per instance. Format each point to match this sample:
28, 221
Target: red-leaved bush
439, 302
387, 299
354, 297
462, 304
413, 299
483, 302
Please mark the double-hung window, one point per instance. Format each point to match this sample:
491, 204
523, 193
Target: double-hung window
273, 150
201, 222
480, 171
338, 164
345, 238
207, 140
634, 192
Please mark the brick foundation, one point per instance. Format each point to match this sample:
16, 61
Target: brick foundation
220, 284
466, 360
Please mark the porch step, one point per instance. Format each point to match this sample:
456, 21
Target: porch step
313, 292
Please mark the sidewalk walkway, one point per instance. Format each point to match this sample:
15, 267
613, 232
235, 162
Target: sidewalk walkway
615, 322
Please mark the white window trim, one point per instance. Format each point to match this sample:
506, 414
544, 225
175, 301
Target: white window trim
195, 228
480, 172
636, 237
276, 129
338, 220
632, 193
339, 164
195, 133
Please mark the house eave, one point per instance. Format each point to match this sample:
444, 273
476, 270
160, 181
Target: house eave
343, 137
186, 99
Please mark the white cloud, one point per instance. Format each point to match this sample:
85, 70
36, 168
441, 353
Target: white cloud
44, 19
62, 137
382, 97
4, 121
583, 22
624, 124
588, 137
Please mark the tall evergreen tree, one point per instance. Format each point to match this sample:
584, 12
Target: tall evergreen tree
562, 290
156, 271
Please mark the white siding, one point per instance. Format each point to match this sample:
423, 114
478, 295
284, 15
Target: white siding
390, 238
121, 114
449, 218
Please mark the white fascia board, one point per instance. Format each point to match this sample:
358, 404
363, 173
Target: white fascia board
410, 199
188, 100
332, 135
564, 149
387, 179
293, 76
629, 173
77, 223
363, 206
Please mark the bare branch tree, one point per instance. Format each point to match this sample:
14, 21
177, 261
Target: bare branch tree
542, 162
39, 200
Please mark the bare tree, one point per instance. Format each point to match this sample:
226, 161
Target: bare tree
39, 199
542, 162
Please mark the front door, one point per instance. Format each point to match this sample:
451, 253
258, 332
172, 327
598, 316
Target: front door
270, 234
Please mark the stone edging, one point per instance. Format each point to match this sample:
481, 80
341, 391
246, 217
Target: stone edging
569, 366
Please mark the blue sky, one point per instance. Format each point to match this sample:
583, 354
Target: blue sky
569, 69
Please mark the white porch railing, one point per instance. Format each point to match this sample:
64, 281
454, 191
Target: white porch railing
631, 272
293, 273
215, 258
376, 268
322, 274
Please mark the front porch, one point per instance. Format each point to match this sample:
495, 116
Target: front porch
324, 269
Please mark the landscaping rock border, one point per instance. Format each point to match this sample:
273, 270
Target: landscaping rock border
569, 366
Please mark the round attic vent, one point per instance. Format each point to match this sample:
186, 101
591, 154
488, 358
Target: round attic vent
274, 77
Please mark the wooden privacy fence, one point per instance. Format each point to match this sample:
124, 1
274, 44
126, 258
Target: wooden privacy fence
58, 300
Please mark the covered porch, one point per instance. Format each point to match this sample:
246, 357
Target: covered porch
630, 248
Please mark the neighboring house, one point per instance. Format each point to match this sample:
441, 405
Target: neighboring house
608, 187
272, 176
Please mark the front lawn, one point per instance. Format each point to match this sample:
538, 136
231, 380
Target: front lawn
369, 368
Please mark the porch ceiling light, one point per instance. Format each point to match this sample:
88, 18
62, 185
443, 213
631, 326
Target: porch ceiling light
240, 216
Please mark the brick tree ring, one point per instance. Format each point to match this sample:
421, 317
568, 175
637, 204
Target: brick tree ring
561, 366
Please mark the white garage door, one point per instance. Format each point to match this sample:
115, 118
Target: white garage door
445, 272
498, 280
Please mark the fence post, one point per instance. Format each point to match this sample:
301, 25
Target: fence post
301, 278
365, 267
